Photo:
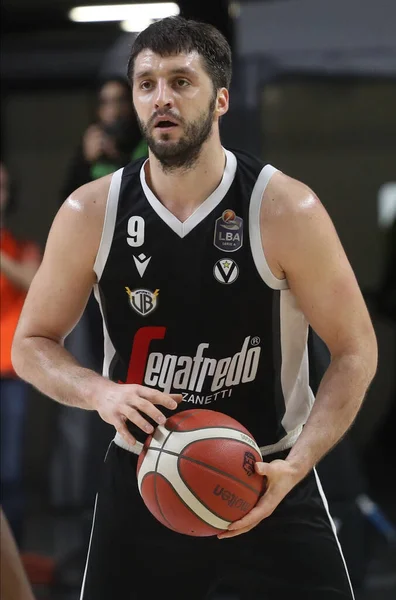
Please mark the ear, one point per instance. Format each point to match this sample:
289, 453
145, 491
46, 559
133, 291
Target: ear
222, 102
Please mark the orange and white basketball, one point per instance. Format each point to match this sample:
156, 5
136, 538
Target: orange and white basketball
196, 473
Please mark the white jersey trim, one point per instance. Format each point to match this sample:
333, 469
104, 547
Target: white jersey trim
108, 224
89, 549
109, 350
183, 228
297, 394
256, 243
284, 444
326, 505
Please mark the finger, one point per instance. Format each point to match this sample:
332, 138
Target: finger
149, 409
263, 468
229, 534
252, 517
124, 432
177, 397
263, 509
157, 397
135, 417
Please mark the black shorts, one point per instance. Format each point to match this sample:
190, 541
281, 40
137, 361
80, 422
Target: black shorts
294, 553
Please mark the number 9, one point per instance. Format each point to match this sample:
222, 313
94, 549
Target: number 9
135, 231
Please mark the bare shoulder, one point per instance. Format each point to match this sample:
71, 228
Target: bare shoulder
285, 198
82, 214
291, 214
89, 200
77, 228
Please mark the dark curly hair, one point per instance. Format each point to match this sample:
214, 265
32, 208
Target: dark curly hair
175, 35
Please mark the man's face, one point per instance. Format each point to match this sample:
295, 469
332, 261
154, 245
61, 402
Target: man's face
175, 104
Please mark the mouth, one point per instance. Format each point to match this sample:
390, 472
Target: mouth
165, 124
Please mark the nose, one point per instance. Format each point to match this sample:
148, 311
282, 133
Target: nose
163, 97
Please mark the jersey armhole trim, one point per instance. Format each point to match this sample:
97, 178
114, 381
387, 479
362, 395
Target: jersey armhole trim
108, 223
256, 244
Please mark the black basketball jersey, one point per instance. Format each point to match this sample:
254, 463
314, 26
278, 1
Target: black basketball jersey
192, 307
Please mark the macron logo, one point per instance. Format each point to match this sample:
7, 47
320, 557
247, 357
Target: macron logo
141, 263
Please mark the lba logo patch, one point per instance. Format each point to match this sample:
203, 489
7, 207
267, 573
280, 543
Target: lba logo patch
143, 301
228, 235
226, 270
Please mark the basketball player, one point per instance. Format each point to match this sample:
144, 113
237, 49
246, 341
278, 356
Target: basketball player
208, 267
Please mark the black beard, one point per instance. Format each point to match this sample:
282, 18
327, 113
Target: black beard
184, 153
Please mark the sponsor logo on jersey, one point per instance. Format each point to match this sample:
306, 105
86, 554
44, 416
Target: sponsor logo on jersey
248, 463
228, 234
189, 375
171, 372
142, 301
226, 270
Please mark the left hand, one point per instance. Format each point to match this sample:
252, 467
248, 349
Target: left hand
281, 477
110, 149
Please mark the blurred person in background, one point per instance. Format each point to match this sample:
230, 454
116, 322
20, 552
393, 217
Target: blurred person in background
19, 261
111, 141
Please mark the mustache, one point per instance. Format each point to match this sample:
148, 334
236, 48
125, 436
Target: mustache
161, 113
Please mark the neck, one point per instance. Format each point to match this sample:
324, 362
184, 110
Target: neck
182, 191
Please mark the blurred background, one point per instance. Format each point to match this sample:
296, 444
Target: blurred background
313, 93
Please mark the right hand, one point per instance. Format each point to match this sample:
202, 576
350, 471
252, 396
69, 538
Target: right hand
126, 402
93, 143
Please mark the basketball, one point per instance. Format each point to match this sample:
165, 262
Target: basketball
196, 472
228, 215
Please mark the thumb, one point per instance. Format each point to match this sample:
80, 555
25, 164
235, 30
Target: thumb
262, 468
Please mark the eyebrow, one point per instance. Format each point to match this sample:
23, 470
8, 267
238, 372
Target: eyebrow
174, 71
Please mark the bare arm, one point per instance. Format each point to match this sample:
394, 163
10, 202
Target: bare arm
301, 244
14, 582
321, 278
56, 300
54, 304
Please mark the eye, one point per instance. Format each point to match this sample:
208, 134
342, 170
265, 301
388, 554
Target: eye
146, 85
182, 83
